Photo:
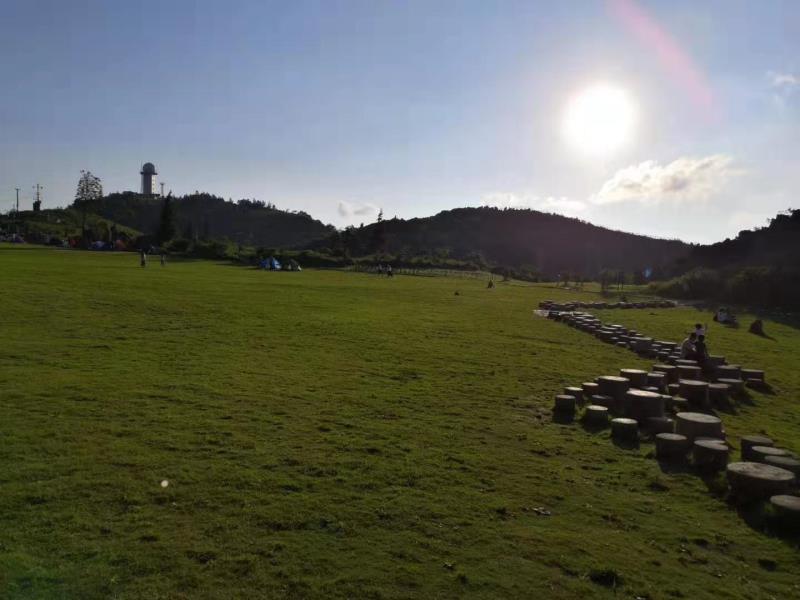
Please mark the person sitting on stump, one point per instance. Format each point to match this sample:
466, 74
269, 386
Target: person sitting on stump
701, 350
687, 346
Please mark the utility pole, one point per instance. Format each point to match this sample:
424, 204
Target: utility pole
16, 212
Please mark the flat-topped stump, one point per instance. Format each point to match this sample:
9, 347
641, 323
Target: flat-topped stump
565, 404
736, 385
689, 372
596, 415
753, 374
601, 400
590, 389
696, 392
679, 404
641, 404
687, 362
787, 507
710, 454
784, 462
611, 385
760, 453
718, 393
658, 380
728, 372
637, 377
757, 480
576, 392
656, 425
748, 441
694, 425
671, 446
624, 430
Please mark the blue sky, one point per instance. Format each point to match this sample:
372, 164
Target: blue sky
341, 107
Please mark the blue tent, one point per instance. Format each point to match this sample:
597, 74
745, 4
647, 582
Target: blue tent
271, 263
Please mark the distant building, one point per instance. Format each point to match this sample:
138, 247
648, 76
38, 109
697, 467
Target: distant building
148, 174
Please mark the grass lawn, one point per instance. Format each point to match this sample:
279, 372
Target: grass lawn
342, 435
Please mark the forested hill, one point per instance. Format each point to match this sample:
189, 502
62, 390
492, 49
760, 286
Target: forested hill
547, 243
208, 216
777, 245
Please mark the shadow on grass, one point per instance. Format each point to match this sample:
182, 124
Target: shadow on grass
626, 444
594, 427
563, 418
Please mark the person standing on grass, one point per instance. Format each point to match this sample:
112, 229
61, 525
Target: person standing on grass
143, 257
163, 260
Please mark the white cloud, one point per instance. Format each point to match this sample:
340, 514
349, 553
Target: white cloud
561, 205
783, 80
358, 209
684, 179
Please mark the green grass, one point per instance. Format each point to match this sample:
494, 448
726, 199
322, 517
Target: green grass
333, 435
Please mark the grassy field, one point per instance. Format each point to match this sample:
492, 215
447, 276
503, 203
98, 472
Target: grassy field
341, 435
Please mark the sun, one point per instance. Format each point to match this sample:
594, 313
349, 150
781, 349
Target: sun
600, 120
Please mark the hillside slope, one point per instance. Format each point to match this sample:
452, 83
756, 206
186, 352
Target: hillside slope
550, 243
209, 216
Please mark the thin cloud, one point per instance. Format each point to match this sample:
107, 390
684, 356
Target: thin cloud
783, 80
684, 179
562, 205
357, 209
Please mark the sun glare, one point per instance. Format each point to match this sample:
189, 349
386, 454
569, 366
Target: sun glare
599, 121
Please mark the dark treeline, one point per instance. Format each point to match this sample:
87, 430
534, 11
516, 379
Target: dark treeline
759, 267
202, 216
516, 239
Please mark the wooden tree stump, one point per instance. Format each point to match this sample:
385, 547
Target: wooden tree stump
689, 372
710, 454
605, 401
615, 387
641, 405
753, 374
787, 507
694, 425
728, 372
596, 415
565, 404
656, 425
696, 392
759, 481
671, 446
657, 380
590, 389
637, 377
679, 404
748, 441
624, 430
736, 385
784, 462
760, 453
718, 394
576, 392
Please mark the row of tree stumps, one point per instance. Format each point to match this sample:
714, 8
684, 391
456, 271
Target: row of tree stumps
672, 406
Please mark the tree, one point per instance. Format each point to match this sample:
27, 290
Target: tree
89, 188
166, 227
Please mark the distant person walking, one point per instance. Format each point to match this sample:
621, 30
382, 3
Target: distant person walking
163, 260
389, 271
143, 257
